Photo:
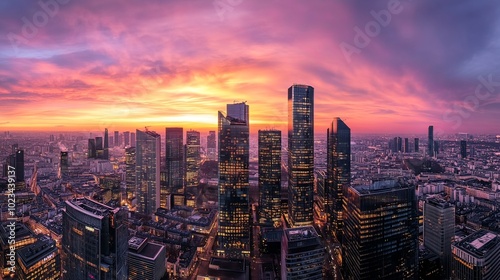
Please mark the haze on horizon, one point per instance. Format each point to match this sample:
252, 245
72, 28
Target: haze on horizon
128, 64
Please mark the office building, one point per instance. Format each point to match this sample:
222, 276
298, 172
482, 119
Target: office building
302, 254
64, 164
147, 171
192, 158
212, 145
132, 139
117, 138
416, 142
477, 257
16, 160
174, 163
40, 260
269, 177
338, 174
380, 236
146, 260
126, 138
439, 230
399, 144
300, 155
130, 186
463, 148
238, 111
430, 142
406, 148
105, 154
95, 241
91, 151
23, 237
99, 148
234, 214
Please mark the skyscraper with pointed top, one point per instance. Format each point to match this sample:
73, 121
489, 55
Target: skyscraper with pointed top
106, 144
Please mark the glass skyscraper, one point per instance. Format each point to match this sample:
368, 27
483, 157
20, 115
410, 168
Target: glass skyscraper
211, 145
269, 177
95, 241
105, 154
147, 171
300, 154
130, 172
380, 236
174, 156
192, 157
430, 143
234, 217
338, 174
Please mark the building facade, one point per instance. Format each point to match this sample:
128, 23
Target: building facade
146, 260
147, 171
192, 157
40, 260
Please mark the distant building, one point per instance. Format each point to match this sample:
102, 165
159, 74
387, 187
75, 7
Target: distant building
212, 145
105, 154
192, 157
477, 257
117, 138
147, 171
407, 145
463, 148
269, 177
302, 254
174, 155
130, 187
64, 164
15, 160
91, 151
132, 139
300, 155
126, 138
430, 143
99, 148
146, 260
95, 241
416, 142
380, 236
39, 260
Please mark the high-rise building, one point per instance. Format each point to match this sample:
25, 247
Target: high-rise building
234, 217
132, 139
112, 141
99, 147
130, 186
477, 257
302, 254
40, 260
416, 142
126, 138
380, 237
192, 157
436, 147
174, 163
439, 230
95, 241
399, 144
146, 260
147, 171
269, 177
407, 145
238, 111
106, 145
463, 148
430, 143
16, 160
64, 164
117, 138
212, 145
338, 174
91, 151
300, 155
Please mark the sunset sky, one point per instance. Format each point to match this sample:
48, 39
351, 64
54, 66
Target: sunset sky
86, 65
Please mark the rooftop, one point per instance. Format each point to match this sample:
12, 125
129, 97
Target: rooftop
295, 234
91, 206
381, 187
479, 243
45, 247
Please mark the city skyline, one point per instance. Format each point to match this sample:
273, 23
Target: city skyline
175, 66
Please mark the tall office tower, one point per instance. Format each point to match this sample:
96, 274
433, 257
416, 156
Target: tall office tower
300, 155
40, 260
146, 260
117, 138
234, 217
302, 254
399, 144
19, 165
192, 157
174, 162
238, 111
430, 143
99, 148
393, 144
338, 174
416, 142
436, 147
91, 151
439, 230
126, 138
106, 145
147, 171
211, 146
64, 164
52, 138
130, 187
463, 148
112, 141
380, 237
269, 177
132, 139
477, 257
407, 146
95, 241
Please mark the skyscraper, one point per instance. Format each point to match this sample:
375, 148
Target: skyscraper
238, 111
269, 177
416, 142
130, 187
91, 151
463, 148
211, 145
132, 139
106, 145
300, 154
64, 164
126, 138
174, 162
430, 143
117, 138
234, 217
99, 147
380, 237
407, 145
95, 241
192, 157
338, 174
399, 144
147, 171
439, 230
